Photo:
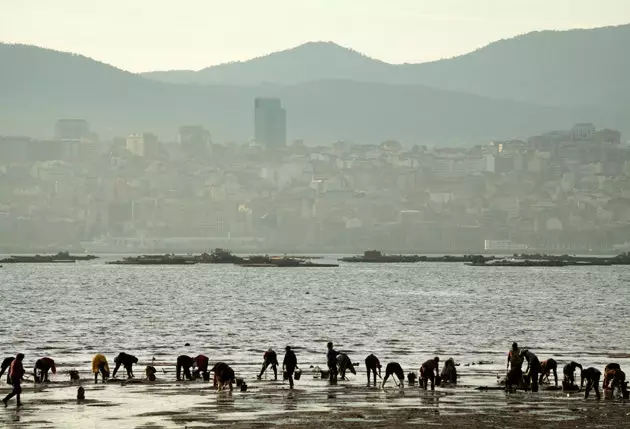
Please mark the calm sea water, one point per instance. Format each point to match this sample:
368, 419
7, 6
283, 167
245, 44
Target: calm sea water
402, 312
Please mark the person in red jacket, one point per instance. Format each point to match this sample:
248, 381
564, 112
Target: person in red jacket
201, 362
42, 366
16, 372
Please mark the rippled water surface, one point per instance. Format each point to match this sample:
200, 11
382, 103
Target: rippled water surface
406, 313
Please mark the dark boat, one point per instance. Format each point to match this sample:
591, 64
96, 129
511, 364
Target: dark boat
375, 256
60, 257
219, 256
621, 259
287, 263
154, 260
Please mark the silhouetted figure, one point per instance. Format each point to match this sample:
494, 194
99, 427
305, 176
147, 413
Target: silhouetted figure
202, 362
331, 360
533, 369
394, 368
80, 394
127, 362
592, 376
41, 369
371, 365
270, 358
569, 375
100, 366
514, 368
150, 372
184, 363
223, 375
344, 363
289, 364
449, 372
6, 364
546, 367
428, 371
615, 377
16, 372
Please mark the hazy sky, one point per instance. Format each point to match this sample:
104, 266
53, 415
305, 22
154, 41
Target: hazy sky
143, 35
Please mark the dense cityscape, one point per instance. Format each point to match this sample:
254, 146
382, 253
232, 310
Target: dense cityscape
565, 190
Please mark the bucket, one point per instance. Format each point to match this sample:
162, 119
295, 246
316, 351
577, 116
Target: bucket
608, 393
239, 382
206, 376
297, 374
243, 387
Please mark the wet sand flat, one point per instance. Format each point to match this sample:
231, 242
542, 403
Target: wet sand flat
313, 404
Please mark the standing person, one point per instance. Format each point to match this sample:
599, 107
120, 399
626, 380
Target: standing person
331, 357
6, 364
533, 368
16, 372
394, 368
546, 367
289, 364
270, 358
569, 374
592, 376
201, 362
42, 366
428, 371
99, 365
371, 365
514, 367
186, 363
126, 361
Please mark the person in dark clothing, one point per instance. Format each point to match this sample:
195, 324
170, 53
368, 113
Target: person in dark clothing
344, 363
127, 362
428, 371
449, 372
331, 357
615, 377
394, 368
223, 375
201, 362
546, 367
514, 369
186, 363
592, 376
16, 372
270, 358
371, 365
533, 368
569, 374
289, 364
42, 366
6, 364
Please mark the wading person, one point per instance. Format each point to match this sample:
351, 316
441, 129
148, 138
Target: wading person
394, 369
615, 377
127, 362
592, 376
270, 358
16, 373
533, 369
223, 375
371, 365
289, 364
546, 368
569, 375
331, 360
6, 364
41, 369
344, 363
202, 362
184, 363
449, 372
514, 368
100, 366
428, 371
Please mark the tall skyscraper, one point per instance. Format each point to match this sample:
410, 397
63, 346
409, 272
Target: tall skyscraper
270, 120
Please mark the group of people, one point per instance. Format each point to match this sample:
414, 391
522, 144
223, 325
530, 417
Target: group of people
537, 372
338, 363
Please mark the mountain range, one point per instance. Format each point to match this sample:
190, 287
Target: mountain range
510, 88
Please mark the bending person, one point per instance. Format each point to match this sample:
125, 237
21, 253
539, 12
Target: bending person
428, 371
186, 363
6, 364
569, 374
345, 364
449, 372
371, 365
223, 375
546, 367
270, 358
394, 368
100, 366
533, 368
127, 362
42, 366
592, 376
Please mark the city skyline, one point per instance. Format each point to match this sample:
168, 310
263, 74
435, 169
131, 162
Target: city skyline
394, 34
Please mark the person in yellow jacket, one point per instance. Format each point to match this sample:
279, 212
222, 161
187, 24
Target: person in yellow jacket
99, 365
